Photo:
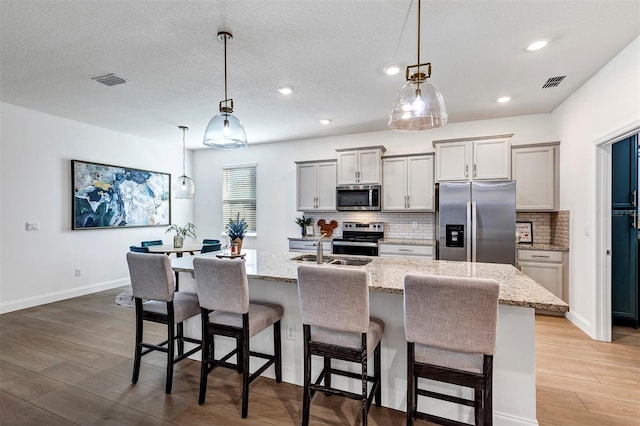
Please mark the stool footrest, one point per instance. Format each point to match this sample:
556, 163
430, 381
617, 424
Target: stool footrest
446, 397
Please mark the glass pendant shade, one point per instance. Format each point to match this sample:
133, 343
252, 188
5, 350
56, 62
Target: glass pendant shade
225, 132
418, 106
184, 188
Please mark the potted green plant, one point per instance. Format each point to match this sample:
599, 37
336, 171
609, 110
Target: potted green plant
303, 222
182, 232
236, 229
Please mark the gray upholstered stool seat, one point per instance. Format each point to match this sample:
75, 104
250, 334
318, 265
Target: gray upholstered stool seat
334, 307
152, 279
450, 325
223, 293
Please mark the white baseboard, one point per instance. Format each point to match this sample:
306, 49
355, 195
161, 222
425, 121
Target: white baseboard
56, 296
503, 419
581, 323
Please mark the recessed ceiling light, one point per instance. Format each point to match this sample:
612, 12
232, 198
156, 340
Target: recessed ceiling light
392, 69
536, 45
285, 90
504, 99
325, 121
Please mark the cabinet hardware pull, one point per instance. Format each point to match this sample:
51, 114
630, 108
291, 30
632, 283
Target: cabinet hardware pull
404, 249
466, 170
539, 255
408, 201
634, 200
474, 170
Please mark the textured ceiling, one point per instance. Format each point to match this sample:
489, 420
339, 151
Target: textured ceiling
331, 52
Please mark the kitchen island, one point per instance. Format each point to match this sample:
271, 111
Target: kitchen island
272, 277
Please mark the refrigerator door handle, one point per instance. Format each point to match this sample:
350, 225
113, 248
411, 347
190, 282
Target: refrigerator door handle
469, 236
474, 220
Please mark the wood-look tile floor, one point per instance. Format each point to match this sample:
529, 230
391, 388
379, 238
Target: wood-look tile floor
69, 363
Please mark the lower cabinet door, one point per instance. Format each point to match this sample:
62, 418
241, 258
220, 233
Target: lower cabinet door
548, 275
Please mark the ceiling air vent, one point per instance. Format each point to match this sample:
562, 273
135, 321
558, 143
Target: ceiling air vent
110, 80
554, 81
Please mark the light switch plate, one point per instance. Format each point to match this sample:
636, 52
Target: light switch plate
32, 226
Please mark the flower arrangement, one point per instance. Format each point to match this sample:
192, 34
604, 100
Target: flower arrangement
182, 232
236, 228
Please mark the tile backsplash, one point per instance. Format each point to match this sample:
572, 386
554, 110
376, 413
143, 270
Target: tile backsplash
548, 227
396, 225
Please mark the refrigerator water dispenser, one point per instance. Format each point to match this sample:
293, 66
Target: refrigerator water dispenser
455, 235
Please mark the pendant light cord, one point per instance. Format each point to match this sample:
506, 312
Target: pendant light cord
419, 13
225, 69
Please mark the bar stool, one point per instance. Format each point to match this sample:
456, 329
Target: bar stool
152, 279
223, 291
334, 306
450, 326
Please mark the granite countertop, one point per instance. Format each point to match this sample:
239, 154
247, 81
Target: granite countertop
309, 238
541, 246
407, 241
387, 275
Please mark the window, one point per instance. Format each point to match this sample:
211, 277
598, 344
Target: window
239, 194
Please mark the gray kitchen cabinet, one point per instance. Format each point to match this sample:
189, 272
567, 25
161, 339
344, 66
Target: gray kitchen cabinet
535, 170
360, 166
309, 245
408, 183
402, 250
472, 159
547, 268
316, 185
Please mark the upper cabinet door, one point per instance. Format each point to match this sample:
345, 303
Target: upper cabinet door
534, 168
420, 185
347, 168
453, 161
370, 167
491, 160
307, 187
394, 193
326, 192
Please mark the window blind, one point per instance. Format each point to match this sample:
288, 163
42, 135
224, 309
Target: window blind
239, 194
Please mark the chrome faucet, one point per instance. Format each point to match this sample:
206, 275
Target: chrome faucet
319, 248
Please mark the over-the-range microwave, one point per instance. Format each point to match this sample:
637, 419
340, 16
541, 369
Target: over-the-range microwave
358, 197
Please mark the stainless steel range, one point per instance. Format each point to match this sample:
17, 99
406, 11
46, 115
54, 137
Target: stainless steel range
359, 238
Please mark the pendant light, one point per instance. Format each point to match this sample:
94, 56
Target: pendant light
418, 105
184, 187
224, 130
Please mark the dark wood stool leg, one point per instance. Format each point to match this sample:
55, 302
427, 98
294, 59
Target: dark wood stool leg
180, 328
364, 401
277, 350
245, 365
206, 354
306, 396
327, 375
478, 406
488, 391
139, 333
411, 380
170, 353
378, 375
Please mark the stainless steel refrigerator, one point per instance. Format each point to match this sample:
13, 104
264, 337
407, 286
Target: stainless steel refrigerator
477, 221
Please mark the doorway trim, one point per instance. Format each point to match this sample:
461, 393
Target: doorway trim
603, 144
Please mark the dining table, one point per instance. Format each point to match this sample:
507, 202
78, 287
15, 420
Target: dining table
168, 249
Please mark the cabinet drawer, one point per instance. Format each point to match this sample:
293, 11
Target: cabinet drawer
540, 255
308, 245
405, 250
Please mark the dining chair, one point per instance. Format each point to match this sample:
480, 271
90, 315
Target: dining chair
152, 279
209, 245
151, 243
450, 327
226, 310
334, 307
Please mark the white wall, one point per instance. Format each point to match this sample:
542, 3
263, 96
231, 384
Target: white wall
276, 170
38, 267
609, 101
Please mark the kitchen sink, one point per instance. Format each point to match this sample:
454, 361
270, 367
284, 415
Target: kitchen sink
332, 260
350, 262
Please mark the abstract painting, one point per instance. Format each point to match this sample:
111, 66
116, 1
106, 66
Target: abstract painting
106, 196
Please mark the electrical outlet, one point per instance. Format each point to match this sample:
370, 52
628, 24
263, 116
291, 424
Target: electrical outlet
78, 272
290, 333
32, 226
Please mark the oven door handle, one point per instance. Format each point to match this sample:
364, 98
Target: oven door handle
354, 244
